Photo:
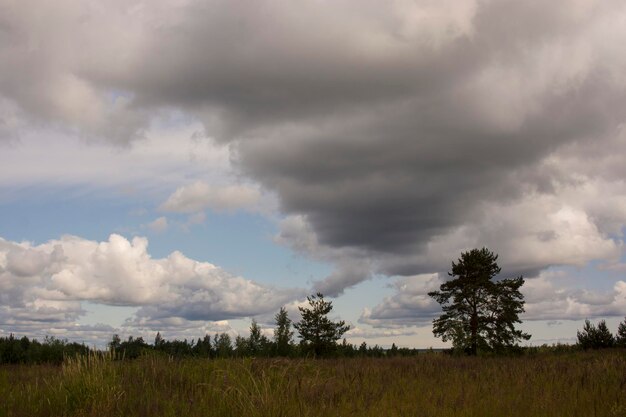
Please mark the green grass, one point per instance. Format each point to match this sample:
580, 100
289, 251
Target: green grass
574, 384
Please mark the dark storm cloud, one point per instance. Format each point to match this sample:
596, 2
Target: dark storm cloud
400, 177
397, 130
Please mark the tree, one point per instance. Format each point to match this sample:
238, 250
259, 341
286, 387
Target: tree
620, 339
592, 337
242, 349
318, 333
604, 338
282, 333
223, 345
587, 335
158, 340
115, 342
478, 312
131, 348
257, 342
203, 347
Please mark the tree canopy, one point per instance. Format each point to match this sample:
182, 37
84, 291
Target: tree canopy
620, 339
283, 333
318, 333
479, 313
592, 337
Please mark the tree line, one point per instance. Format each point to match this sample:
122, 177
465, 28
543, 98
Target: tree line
318, 335
479, 316
600, 337
25, 350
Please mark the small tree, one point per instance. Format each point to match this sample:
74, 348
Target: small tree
115, 342
604, 338
620, 339
282, 333
318, 333
592, 337
479, 313
223, 345
587, 335
257, 342
203, 347
158, 340
242, 348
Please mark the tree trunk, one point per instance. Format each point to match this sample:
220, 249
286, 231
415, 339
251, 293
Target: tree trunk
474, 330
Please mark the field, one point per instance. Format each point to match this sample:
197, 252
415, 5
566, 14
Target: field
572, 384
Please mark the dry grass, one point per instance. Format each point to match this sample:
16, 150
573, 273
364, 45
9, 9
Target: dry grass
575, 384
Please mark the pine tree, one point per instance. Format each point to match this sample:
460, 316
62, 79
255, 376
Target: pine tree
282, 333
241, 347
479, 313
604, 338
223, 345
257, 342
620, 339
592, 337
586, 337
318, 333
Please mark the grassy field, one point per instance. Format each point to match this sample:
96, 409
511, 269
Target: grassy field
575, 384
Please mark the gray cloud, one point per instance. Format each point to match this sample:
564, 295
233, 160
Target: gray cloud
479, 127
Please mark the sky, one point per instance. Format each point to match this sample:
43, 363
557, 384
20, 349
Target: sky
186, 166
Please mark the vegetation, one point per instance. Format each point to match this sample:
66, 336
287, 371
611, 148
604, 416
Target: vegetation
431, 385
53, 351
15, 350
318, 333
620, 339
283, 336
24, 350
215, 377
592, 337
599, 337
479, 314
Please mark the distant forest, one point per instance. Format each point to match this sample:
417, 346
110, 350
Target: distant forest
52, 350
14, 350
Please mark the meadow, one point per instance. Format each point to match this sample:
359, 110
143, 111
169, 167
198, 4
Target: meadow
571, 384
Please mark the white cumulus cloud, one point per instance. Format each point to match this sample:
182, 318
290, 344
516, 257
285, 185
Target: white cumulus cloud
46, 284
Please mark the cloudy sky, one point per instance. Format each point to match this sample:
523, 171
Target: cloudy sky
184, 166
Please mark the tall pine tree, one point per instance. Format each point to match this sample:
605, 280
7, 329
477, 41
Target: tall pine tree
479, 314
